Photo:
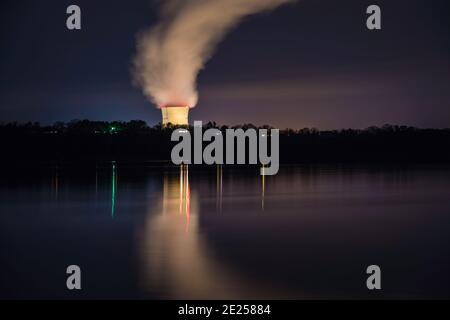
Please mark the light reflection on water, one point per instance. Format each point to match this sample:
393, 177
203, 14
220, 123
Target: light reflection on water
188, 233
185, 267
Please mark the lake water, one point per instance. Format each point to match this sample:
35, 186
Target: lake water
156, 232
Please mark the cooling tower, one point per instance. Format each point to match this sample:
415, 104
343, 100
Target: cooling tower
176, 115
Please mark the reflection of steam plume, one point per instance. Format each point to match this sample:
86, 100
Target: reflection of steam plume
178, 262
172, 53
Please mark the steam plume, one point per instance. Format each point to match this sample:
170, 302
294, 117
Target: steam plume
171, 54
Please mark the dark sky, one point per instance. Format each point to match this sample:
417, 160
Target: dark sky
313, 64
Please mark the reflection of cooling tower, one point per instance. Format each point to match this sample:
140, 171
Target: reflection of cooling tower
177, 260
176, 115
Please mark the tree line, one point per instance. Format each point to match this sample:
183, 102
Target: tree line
135, 140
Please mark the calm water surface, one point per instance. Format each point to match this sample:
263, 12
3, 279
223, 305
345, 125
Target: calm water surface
185, 233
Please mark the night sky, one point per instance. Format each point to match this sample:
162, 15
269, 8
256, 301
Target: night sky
312, 64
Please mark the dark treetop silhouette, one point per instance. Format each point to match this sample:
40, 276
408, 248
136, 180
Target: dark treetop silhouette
135, 140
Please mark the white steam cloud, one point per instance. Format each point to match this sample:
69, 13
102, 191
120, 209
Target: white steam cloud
171, 54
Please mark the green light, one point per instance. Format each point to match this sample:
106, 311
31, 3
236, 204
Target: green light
113, 191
